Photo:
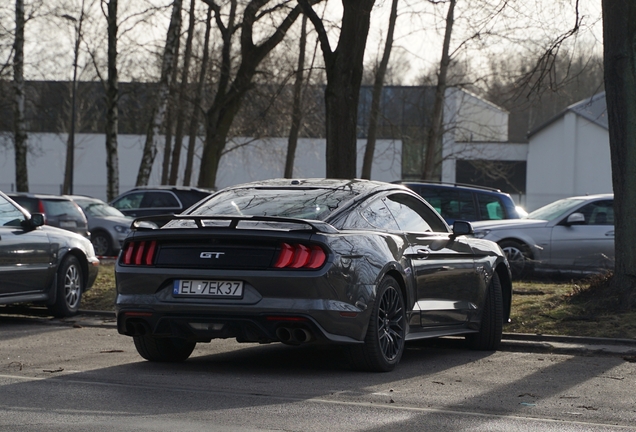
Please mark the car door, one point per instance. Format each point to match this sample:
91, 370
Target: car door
443, 266
588, 245
25, 255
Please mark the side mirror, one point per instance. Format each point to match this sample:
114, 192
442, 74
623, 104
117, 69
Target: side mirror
462, 228
36, 220
575, 219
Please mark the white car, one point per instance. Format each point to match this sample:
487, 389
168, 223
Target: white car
569, 235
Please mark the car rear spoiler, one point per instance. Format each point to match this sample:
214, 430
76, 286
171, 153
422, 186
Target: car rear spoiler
316, 225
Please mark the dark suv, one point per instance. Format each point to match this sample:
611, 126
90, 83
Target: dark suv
158, 200
466, 202
58, 211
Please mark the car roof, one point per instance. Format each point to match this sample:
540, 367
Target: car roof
446, 185
38, 196
170, 188
358, 186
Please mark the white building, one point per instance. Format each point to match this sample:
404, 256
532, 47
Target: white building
570, 154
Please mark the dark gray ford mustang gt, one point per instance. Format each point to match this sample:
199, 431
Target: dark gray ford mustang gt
364, 264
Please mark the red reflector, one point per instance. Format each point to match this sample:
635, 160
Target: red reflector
348, 314
285, 318
286, 256
138, 314
301, 256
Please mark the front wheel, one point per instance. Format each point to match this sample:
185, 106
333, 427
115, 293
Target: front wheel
70, 286
163, 349
102, 244
384, 343
491, 328
519, 257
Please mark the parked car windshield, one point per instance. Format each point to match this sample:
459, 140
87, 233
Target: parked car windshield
555, 210
314, 204
95, 208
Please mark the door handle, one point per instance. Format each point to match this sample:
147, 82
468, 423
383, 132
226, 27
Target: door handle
423, 253
609, 234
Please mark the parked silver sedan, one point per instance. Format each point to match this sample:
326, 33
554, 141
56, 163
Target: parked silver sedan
107, 225
569, 235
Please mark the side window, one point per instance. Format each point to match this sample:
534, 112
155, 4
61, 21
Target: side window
490, 207
451, 203
598, 213
130, 201
378, 215
9, 214
159, 200
414, 216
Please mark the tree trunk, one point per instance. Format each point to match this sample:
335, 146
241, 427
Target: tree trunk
157, 116
435, 130
196, 105
344, 75
171, 108
378, 84
292, 142
619, 33
228, 98
19, 125
69, 170
112, 100
178, 136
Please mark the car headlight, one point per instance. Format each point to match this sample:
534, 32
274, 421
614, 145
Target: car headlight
122, 229
481, 233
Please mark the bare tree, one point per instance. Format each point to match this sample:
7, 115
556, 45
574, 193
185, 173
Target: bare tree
171, 109
292, 142
178, 136
20, 135
196, 104
231, 91
619, 35
112, 111
435, 128
344, 66
378, 84
158, 112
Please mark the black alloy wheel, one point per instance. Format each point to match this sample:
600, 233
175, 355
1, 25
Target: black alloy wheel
384, 343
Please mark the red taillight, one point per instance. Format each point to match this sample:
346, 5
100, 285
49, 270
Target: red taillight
298, 256
139, 253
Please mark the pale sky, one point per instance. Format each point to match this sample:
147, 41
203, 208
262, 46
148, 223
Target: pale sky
523, 27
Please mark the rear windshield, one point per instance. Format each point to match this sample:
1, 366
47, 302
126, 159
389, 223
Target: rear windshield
315, 204
54, 208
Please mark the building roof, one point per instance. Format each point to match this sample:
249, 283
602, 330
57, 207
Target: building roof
593, 109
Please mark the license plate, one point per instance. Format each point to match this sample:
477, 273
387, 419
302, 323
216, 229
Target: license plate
208, 288
68, 224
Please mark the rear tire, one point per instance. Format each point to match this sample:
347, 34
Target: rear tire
70, 286
384, 343
163, 349
491, 328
